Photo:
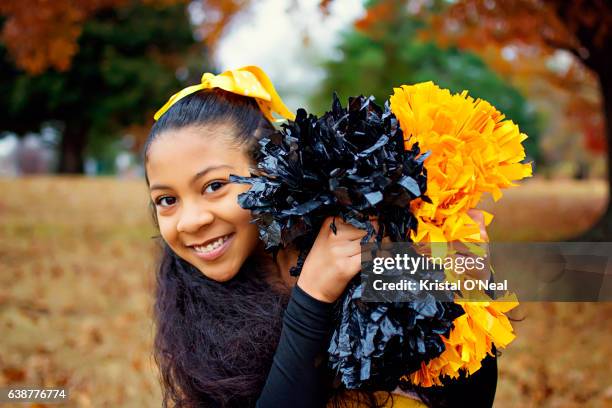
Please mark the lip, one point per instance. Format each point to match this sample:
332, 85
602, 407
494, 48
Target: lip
216, 253
209, 241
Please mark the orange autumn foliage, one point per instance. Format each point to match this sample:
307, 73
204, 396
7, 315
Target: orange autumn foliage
43, 34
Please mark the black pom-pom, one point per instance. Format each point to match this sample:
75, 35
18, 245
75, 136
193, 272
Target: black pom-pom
349, 163
374, 344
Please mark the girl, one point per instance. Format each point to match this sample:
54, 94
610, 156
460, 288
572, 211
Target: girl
233, 327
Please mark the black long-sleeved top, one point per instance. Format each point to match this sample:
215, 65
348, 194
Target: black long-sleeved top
296, 380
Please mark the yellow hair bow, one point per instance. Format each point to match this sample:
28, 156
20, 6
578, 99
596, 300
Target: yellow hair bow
249, 81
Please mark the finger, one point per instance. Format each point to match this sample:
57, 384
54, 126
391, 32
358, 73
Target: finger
375, 225
355, 264
348, 249
423, 248
349, 231
478, 217
460, 248
339, 225
483, 231
330, 226
342, 224
328, 221
348, 234
358, 235
483, 274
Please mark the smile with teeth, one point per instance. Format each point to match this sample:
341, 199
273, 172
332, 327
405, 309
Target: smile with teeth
204, 249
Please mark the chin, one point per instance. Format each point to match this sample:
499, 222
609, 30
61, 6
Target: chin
222, 277
218, 275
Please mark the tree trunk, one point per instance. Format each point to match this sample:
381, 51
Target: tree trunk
72, 149
602, 230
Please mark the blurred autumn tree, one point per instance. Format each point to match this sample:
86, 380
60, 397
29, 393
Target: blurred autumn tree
121, 67
383, 51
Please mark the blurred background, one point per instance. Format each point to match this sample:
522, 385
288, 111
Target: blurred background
81, 79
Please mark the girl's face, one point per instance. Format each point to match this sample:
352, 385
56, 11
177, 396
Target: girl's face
197, 209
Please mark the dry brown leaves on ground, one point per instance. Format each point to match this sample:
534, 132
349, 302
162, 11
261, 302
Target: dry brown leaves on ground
77, 262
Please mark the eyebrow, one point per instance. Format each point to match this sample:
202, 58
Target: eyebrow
198, 175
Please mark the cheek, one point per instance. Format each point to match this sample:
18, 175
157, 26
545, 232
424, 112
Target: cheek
242, 222
167, 230
242, 218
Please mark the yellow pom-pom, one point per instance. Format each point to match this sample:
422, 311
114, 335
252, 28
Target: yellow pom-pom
483, 325
473, 151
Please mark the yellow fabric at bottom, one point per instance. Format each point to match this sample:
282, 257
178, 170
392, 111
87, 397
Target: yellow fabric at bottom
397, 401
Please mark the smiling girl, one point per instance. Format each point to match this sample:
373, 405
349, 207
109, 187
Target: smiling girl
233, 328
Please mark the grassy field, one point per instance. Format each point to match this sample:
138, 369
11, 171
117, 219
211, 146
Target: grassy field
77, 273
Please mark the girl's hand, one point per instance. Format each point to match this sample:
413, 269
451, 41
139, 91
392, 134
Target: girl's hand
485, 273
333, 260
479, 218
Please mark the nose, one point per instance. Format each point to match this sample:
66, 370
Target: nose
193, 217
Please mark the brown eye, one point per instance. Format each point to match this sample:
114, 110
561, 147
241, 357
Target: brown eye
160, 201
214, 186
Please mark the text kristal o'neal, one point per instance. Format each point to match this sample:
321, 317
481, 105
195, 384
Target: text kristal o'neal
429, 285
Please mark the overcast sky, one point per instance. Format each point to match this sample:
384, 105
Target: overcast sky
271, 37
